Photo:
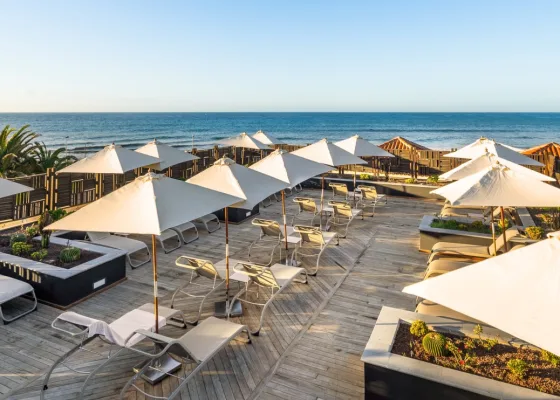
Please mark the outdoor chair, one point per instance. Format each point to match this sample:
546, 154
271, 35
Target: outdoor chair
208, 220
313, 243
198, 346
340, 190
131, 246
267, 202
307, 210
369, 198
287, 193
274, 278
186, 227
472, 250
343, 214
120, 334
442, 266
297, 188
10, 289
271, 238
214, 274
169, 234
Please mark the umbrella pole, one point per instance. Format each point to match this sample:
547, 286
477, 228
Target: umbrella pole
355, 186
322, 197
283, 195
493, 231
504, 228
227, 255
154, 269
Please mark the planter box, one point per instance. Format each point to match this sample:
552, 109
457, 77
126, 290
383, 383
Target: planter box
237, 215
388, 188
62, 287
392, 376
430, 236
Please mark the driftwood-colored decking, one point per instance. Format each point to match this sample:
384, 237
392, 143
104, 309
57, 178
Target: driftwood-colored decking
309, 347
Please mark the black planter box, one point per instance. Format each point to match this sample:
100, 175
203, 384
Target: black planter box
61, 287
237, 215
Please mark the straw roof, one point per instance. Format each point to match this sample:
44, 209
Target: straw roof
547, 148
400, 143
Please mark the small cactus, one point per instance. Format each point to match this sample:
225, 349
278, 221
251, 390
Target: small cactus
434, 344
70, 254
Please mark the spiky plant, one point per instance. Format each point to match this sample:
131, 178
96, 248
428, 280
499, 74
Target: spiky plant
16, 146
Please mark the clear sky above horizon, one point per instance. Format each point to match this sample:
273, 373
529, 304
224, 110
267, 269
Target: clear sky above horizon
213, 55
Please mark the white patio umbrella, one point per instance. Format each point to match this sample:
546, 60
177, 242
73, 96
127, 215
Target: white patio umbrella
500, 186
252, 187
9, 188
290, 169
148, 205
484, 145
245, 142
267, 138
168, 155
325, 152
487, 160
517, 292
361, 148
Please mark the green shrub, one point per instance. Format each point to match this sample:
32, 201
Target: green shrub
476, 226
21, 248
534, 232
479, 226
18, 238
553, 359
31, 232
57, 214
39, 255
434, 344
432, 179
419, 328
518, 367
70, 254
365, 177
410, 180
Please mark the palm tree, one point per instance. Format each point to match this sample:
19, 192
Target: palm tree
45, 158
15, 149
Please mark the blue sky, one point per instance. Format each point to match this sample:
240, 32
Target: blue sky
283, 55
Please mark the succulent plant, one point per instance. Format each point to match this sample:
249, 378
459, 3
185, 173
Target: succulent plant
21, 248
39, 255
18, 237
419, 328
70, 254
434, 344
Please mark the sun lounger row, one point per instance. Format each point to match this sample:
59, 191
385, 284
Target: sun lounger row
177, 234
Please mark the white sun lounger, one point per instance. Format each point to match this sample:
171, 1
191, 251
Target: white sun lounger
120, 333
167, 235
198, 346
187, 226
271, 237
131, 246
206, 221
343, 215
10, 289
313, 243
275, 278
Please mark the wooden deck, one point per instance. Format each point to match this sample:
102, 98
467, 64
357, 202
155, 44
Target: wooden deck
309, 347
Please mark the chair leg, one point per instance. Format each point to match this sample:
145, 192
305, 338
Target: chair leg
33, 308
139, 264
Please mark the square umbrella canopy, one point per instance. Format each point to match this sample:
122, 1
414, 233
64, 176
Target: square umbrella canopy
517, 292
361, 147
245, 141
483, 146
9, 188
226, 176
150, 204
487, 160
325, 152
168, 155
112, 159
267, 138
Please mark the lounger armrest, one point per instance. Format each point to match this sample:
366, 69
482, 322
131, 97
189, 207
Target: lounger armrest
58, 324
156, 337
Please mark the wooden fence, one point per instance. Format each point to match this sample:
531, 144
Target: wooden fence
73, 190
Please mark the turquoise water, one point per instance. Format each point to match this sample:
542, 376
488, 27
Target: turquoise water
87, 132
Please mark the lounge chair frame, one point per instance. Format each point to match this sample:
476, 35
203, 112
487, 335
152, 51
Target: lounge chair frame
262, 276
343, 215
270, 238
209, 218
306, 208
369, 198
312, 244
188, 226
183, 355
108, 238
167, 235
7, 320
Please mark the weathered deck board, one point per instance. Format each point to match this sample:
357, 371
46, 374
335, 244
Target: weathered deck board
309, 346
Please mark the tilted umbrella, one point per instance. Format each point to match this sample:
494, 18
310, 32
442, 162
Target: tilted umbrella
9, 188
168, 155
483, 146
487, 160
325, 152
245, 142
267, 138
148, 205
500, 186
517, 292
290, 169
252, 187
361, 148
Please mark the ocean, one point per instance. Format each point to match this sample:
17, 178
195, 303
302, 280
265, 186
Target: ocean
84, 133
